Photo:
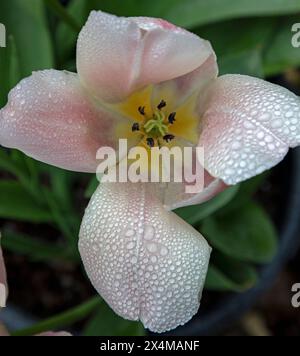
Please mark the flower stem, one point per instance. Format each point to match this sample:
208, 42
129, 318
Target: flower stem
63, 14
61, 320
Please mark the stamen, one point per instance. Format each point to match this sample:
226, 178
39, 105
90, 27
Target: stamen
150, 142
171, 118
135, 127
168, 138
161, 105
142, 110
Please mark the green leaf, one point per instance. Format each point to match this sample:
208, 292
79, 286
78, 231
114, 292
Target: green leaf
7, 163
26, 21
280, 55
65, 36
91, 188
63, 14
247, 63
59, 218
246, 191
60, 321
16, 203
194, 12
106, 323
191, 13
195, 213
246, 234
232, 276
61, 186
32, 247
238, 36
9, 69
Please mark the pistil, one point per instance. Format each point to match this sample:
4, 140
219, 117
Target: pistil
157, 126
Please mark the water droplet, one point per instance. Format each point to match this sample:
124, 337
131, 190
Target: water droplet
152, 247
130, 245
149, 232
164, 251
129, 233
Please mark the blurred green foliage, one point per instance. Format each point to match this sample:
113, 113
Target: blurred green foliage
249, 37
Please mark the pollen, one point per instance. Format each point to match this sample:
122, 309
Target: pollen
168, 138
135, 127
150, 142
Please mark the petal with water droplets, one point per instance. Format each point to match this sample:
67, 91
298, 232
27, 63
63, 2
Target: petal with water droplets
248, 127
54, 333
117, 56
146, 262
50, 118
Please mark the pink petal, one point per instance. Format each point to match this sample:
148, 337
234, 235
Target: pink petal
183, 87
175, 195
248, 127
52, 333
50, 118
117, 56
3, 281
146, 262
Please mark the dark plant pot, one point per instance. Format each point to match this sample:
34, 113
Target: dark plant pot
231, 307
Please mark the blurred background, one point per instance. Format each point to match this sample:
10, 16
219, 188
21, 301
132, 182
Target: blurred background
253, 228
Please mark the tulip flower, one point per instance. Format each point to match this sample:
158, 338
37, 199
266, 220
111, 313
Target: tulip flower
154, 84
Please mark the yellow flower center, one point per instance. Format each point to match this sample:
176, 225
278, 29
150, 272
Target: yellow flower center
155, 128
158, 117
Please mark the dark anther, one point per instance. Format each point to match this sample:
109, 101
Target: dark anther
169, 138
142, 110
161, 105
171, 118
135, 127
150, 142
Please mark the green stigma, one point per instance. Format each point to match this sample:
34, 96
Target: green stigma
156, 126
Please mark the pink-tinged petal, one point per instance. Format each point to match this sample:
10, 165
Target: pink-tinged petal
197, 185
169, 51
146, 262
106, 55
117, 56
3, 280
175, 196
50, 118
178, 90
53, 333
248, 127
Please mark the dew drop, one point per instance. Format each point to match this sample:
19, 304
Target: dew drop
149, 232
129, 233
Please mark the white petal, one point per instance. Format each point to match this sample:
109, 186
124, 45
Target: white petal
248, 127
117, 56
147, 263
50, 117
